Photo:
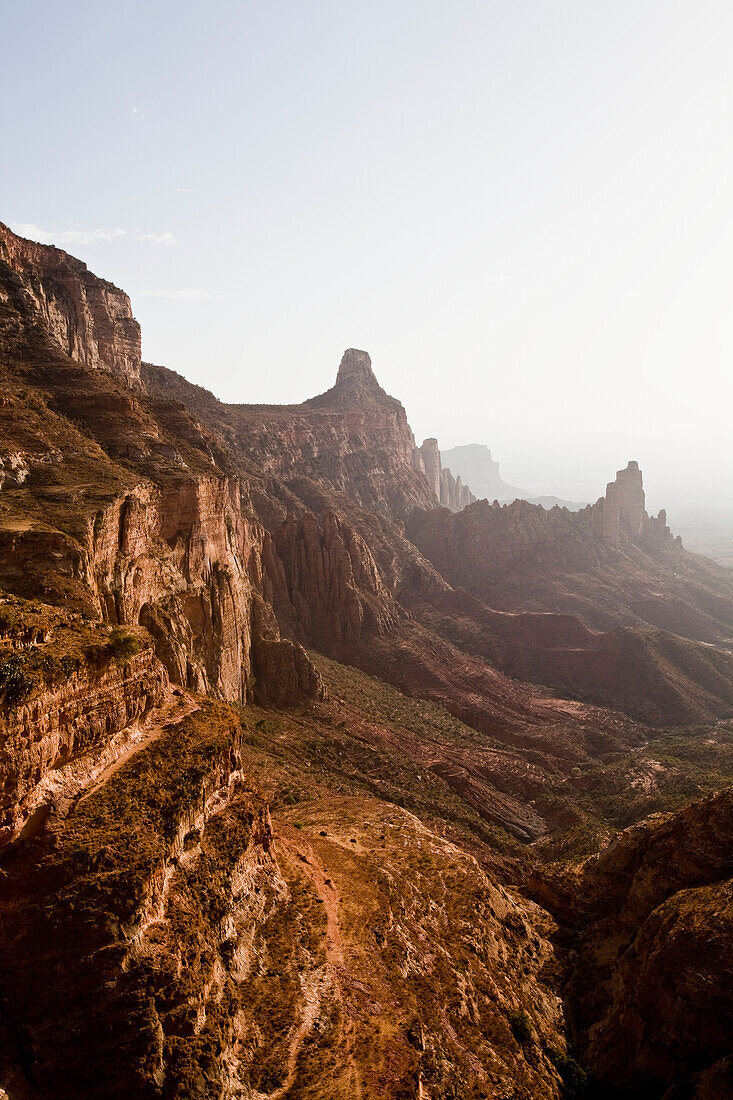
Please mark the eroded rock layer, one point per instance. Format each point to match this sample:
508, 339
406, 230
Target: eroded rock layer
85, 317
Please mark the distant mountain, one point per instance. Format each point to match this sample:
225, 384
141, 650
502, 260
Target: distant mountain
476, 468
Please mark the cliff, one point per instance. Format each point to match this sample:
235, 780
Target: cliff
653, 917
621, 515
114, 503
354, 439
143, 892
450, 491
83, 316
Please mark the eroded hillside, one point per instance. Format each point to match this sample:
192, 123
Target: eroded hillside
298, 765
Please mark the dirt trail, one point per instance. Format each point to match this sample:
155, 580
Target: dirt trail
298, 849
176, 706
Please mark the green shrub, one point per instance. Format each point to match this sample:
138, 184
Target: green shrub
574, 1078
521, 1025
123, 645
15, 683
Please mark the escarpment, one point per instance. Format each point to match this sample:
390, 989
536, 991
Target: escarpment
284, 711
58, 298
174, 558
121, 505
354, 439
160, 879
325, 585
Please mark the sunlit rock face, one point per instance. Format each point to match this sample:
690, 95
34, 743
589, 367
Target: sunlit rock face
87, 318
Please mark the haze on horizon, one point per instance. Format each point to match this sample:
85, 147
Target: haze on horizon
520, 209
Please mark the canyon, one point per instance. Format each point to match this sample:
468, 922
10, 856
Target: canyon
322, 776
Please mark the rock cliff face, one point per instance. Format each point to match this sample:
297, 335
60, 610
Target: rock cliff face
41, 735
84, 316
621, 515
453, 493
353, 439
651, 984
325, 586
176, 559
450, 491
168, 538
155, 917
431, 463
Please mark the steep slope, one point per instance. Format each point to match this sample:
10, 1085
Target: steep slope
653, 675
116, 503
83, 316
144, 918
349, 943
651, 984
354, 438
599, 564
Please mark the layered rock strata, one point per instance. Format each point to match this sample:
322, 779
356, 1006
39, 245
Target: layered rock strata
56, 725
86, 317
128, 978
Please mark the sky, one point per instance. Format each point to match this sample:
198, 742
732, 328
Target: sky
520, 208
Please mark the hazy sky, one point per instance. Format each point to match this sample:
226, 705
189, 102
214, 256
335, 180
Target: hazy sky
520, 209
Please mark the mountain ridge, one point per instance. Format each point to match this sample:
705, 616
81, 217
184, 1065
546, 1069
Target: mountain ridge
290, 731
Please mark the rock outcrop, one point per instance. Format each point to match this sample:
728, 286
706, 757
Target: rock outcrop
114, 503
123, 985
621, 515
68, 688
84, 316
356, 386
651, 983
609, 563
324, 585
448, 490
431, 464
177, 559
454, 495
85, 711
